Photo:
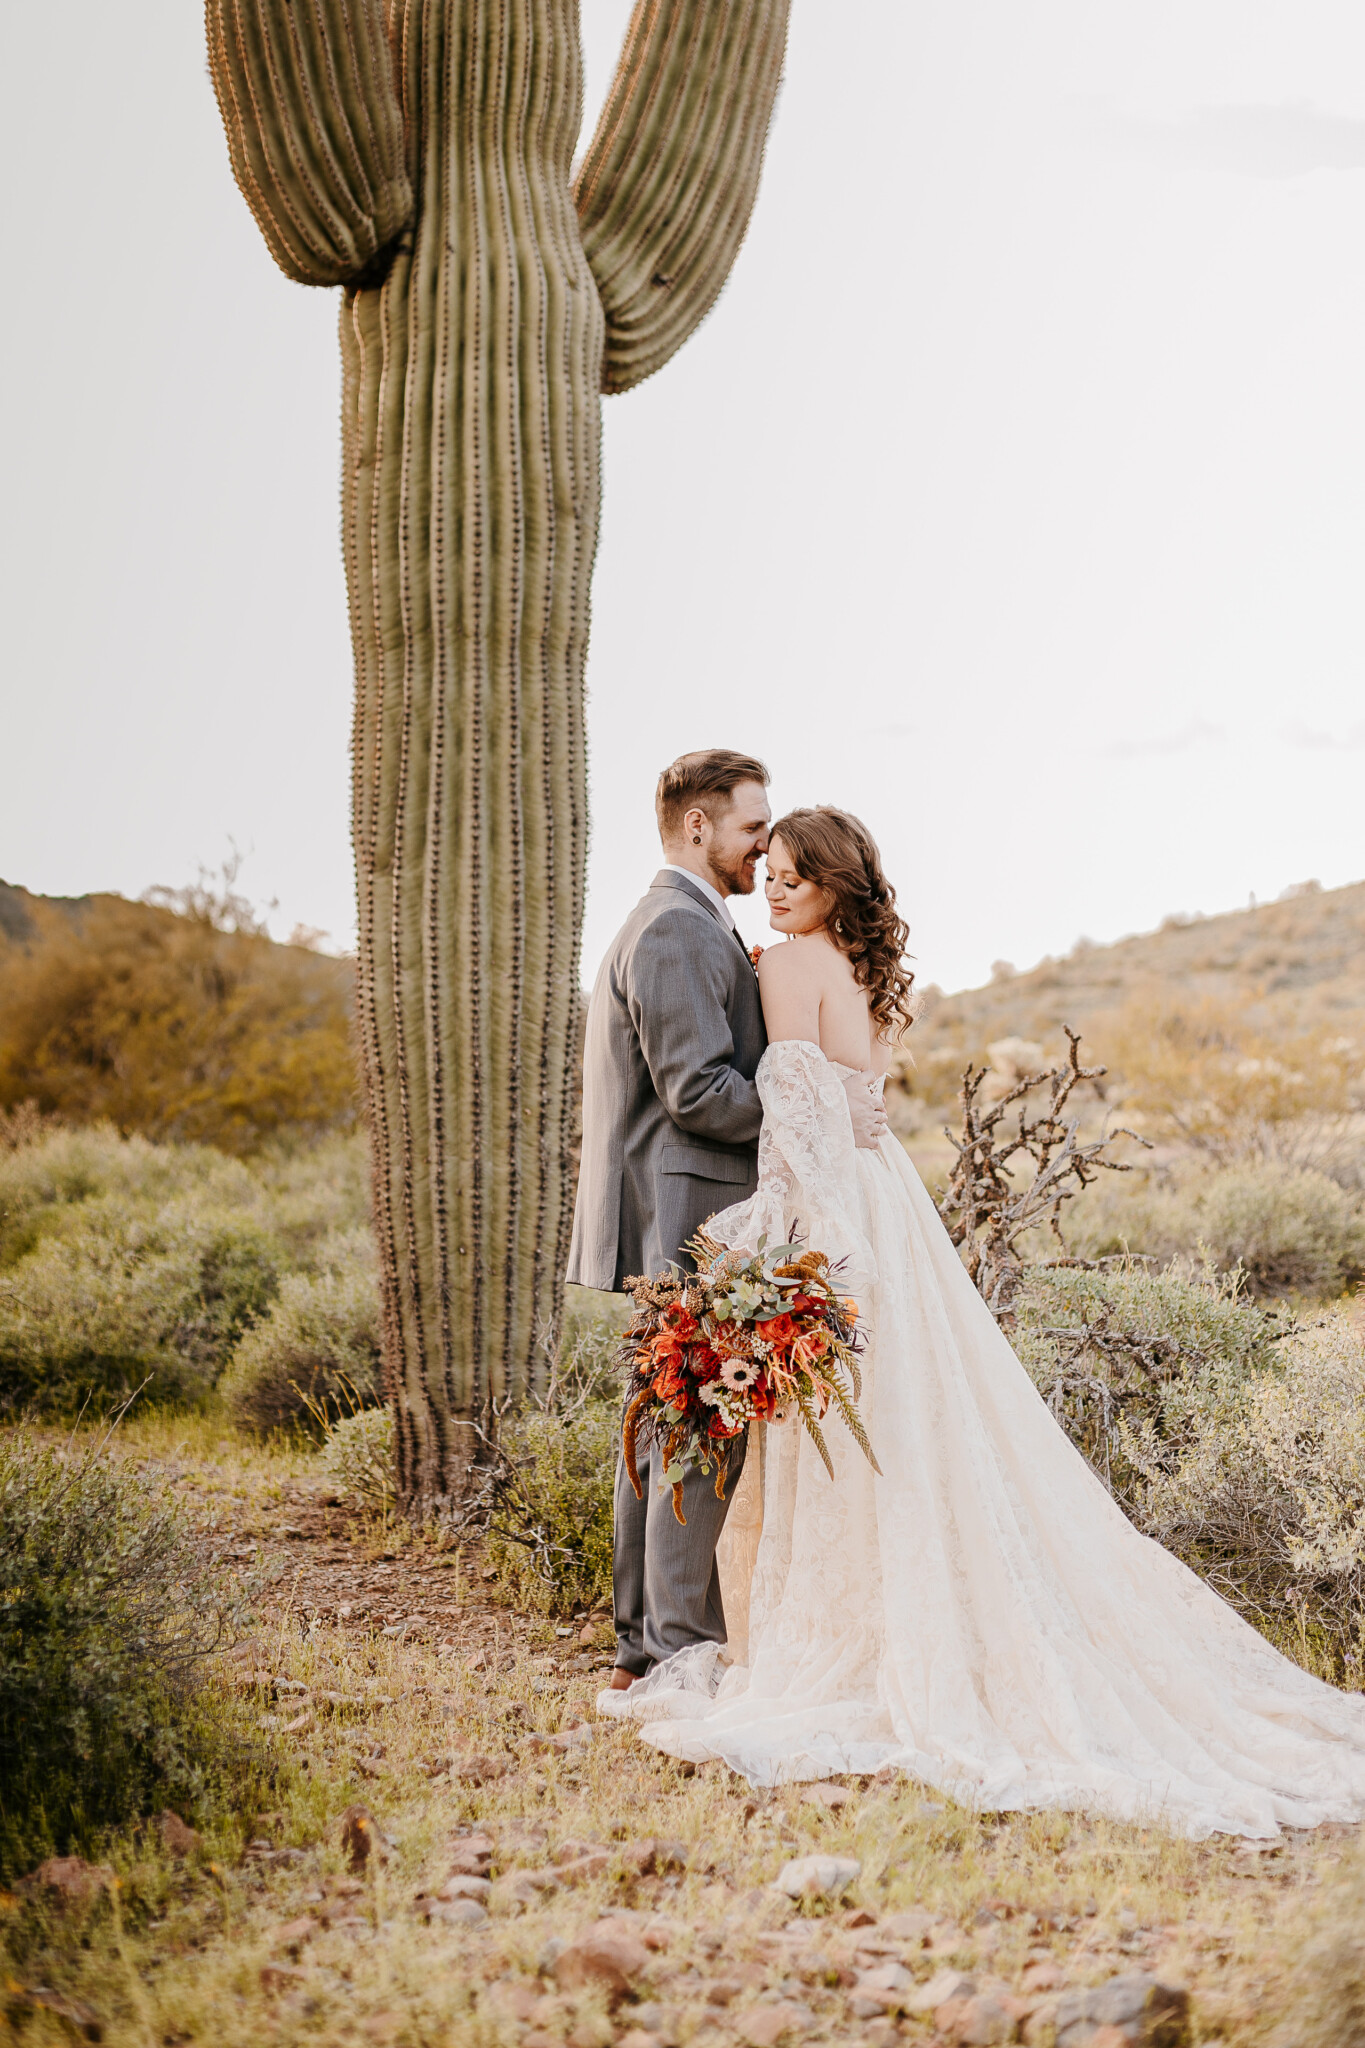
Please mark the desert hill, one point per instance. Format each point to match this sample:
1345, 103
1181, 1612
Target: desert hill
1285, 968
177, 1017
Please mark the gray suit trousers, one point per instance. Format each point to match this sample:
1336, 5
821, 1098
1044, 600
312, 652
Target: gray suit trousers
666, 1581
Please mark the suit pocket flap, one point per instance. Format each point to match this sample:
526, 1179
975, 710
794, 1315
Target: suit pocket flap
706, 1164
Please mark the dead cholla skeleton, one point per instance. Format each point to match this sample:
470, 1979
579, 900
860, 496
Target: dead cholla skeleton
987, 1210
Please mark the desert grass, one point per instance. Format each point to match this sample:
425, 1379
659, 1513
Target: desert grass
263, 1932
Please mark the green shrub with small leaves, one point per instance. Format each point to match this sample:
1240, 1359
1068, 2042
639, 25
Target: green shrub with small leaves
108, 1609
1289, 1230
357, 1456
315, 1356
113, 1294
550, 1536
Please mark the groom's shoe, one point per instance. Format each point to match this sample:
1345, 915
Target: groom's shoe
621, 1678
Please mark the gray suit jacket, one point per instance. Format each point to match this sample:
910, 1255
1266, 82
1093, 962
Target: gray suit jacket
670, 1110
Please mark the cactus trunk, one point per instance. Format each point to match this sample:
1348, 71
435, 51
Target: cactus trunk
472, 429
418, 152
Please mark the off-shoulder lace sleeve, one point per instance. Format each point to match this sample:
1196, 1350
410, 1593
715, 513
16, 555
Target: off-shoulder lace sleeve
807, 1166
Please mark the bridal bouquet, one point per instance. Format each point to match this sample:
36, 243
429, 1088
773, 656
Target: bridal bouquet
759, 1337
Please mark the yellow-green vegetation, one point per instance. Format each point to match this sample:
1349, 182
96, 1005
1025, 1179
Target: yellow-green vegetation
499, 1824
176, 1019
124, 1262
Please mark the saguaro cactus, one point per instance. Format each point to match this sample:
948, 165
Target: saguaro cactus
417, 153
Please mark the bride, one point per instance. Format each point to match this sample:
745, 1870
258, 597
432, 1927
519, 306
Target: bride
984, 1617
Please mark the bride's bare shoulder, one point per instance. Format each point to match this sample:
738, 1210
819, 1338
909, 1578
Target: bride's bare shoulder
799, 962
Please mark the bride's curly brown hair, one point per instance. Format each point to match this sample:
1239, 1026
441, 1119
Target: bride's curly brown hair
836, 851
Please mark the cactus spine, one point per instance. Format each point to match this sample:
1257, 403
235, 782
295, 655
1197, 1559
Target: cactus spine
418, 153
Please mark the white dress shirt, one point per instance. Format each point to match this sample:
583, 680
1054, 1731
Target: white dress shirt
672, 868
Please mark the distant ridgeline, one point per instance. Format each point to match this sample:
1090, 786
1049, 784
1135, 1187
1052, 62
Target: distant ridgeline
1243, 990
177, 1018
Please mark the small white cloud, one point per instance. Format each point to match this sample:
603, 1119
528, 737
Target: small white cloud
1198, 733
1298, 734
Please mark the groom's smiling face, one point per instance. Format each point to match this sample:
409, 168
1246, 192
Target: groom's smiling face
734, 840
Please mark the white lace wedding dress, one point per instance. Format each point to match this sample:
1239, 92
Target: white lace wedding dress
983, 1616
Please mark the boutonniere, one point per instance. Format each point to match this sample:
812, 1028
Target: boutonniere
755, 955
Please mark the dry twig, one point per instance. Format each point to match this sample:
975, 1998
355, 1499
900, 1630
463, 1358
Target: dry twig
986, 1210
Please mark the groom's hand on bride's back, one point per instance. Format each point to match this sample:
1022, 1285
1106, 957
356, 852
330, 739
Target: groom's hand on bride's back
867, 1111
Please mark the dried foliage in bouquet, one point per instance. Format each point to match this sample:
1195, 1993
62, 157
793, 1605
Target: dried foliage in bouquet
986, 1209
750, 1337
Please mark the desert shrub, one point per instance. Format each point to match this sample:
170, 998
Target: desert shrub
1125, 1349
1265, 1497
357, 1456
108, 1612
549, 1538
315, 1356
114, 1293
1289, 1230
1233, 1436
314, 1193
44, 1180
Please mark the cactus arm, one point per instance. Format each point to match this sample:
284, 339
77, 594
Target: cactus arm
669, 180
314, 129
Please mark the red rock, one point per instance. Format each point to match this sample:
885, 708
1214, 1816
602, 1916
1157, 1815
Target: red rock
471, 1857
763, 2026
281, 1977
1043, 1976
654, 1857
72, 1877
478, 1770
291, 1934
518, 2001
981, 2022
465, 1888
607, 1954
178, 1836
826, 1795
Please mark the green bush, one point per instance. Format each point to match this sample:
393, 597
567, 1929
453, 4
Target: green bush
121, 1259
108, 1610
1128, 1345
1233, 1436
1264, 1496
357, 1456
1291, 1231
315, 1355
550, 1536
111, 1294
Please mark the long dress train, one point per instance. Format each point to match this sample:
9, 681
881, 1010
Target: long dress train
984, 1616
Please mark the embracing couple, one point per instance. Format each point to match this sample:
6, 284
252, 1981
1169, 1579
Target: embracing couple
983, 1617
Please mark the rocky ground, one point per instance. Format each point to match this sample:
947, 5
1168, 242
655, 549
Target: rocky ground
463, 1854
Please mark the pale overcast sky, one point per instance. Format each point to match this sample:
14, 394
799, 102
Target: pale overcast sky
1013, 495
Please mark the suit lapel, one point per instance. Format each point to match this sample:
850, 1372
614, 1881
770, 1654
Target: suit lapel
667, 879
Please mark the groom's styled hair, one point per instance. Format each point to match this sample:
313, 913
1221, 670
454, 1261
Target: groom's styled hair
699, 782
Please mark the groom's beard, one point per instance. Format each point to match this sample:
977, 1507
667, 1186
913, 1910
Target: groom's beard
738, 878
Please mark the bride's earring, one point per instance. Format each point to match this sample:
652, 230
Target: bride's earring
838, 927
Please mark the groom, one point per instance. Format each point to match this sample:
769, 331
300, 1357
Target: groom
671, 1118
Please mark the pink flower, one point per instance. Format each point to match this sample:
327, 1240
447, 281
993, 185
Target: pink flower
739, 1373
